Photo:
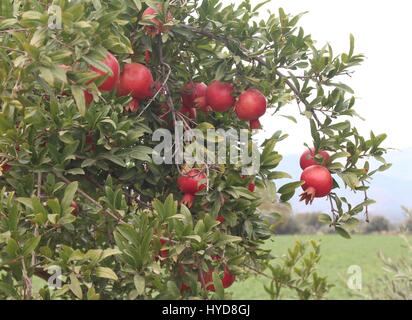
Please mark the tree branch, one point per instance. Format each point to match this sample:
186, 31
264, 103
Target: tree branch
89, 198
249, 57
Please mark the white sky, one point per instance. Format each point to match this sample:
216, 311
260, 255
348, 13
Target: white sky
382, 84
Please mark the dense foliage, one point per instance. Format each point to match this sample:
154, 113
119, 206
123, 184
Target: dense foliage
79, 190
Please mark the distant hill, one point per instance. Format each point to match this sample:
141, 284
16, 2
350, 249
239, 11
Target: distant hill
391, 189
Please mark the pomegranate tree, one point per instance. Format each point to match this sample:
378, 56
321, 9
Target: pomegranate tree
82, 104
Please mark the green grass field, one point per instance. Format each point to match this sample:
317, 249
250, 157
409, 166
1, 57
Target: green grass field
337, 255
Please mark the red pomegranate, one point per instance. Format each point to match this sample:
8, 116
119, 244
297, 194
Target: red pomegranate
136, 80
184, 287
150, 15
88, 97
4, 168
133, 106
90, 142
220, 219
110, 83
250, 106
318, 183
147, 56
190, 184
308, 158
227, 280
164, 253
194, 96
75, 208
219, 96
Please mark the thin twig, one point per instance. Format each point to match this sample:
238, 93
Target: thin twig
36, 228
89, 198
365, 192
27, 283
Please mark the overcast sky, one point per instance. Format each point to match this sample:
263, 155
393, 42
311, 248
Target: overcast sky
382, 84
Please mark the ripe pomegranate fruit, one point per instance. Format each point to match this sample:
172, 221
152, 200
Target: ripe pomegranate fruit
147, 56
227, 280
133, 106
90, 142
164, 253
88, 97
308, 158
194, 96
184, 287
190, 184
220, 219
4, 168
75, 207
219, 96
110, 83
136, 80
318, 183
158, 27
250, 106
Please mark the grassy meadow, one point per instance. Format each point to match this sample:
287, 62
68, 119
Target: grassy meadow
337, 255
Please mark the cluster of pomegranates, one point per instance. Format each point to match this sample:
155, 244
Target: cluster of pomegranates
204, 277
318, 181
135, 79
194, 181
219, 97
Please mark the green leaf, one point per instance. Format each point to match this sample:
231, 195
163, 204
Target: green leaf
342, 86
217, 283
291, 118
350, 179
140, 284
78, 95
47, 75
69, 194
342, 232
194, 237
289, 187
113, 158
352, 45
75, 286
30, 245
107, 273
325, 218
26, 201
